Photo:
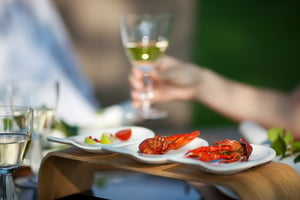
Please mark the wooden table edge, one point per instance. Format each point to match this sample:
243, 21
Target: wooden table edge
75, 169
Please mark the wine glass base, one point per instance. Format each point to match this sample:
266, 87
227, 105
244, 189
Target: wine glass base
152, 114
27, 182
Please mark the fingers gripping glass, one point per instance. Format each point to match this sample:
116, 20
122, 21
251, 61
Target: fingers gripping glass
145, 39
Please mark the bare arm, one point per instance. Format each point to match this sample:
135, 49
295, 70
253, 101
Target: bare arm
176, 80
239, 102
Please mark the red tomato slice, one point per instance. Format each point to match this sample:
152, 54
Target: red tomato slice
124, 134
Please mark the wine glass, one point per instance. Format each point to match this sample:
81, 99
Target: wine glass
145, 38
16, 126
43, 98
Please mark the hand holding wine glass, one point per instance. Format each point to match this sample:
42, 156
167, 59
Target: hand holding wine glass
16, 126
145, 38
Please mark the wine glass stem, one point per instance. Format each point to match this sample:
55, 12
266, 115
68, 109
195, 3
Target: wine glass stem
147, 94
7, 191
36, 153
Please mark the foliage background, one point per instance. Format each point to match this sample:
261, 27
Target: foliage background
256, 42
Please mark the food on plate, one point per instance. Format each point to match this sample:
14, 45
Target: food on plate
108, 138
91, 140
124, 134
227, 151
162, 145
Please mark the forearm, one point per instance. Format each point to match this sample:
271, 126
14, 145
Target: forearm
240, 102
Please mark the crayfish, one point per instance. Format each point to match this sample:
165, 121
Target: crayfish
162, 145
226, 151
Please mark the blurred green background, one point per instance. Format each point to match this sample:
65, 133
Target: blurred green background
256, 42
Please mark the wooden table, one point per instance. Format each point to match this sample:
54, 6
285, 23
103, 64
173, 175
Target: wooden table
72, 171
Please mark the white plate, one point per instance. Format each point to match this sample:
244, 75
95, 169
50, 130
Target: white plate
138, 135
261, 154
133, 150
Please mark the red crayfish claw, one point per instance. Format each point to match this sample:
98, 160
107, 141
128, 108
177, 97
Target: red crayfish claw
226, 151
162, 145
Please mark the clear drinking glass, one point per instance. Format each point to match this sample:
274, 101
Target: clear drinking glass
43, 98
145, 38
16, 126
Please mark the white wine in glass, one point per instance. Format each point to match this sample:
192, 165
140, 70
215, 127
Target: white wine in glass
16, 126
145, 38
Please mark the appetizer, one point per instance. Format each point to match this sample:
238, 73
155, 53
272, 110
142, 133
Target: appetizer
108, 138
227, 151
162, 145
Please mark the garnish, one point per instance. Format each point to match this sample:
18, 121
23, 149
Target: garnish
283, 143
108, 138
123, 134
91, 140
